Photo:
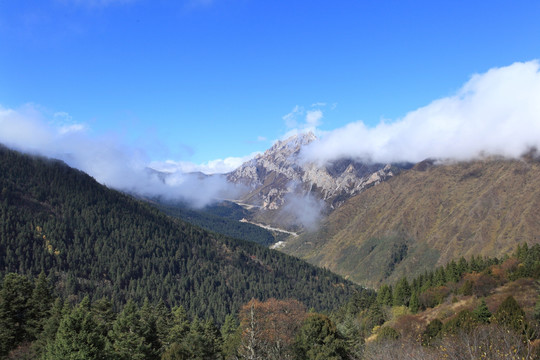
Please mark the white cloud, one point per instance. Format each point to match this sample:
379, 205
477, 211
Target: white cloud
291, 119
104, 158
295, 124
313, 118
218, 166
495, 113
65, 124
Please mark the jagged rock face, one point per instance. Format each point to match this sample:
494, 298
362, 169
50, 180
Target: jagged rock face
280, 171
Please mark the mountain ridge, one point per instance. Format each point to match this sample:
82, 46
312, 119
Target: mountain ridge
427, 216
281, 173
95, 241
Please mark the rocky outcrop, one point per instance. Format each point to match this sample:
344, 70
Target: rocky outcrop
281, 171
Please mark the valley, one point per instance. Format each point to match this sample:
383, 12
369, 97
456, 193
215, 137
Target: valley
140, 259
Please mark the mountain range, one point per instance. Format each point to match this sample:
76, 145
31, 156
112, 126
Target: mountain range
281, 176
427, 216
378, 222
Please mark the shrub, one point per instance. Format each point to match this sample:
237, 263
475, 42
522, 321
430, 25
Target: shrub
387, 333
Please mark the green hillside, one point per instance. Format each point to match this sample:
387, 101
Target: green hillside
95, 241
223, 218
427, 216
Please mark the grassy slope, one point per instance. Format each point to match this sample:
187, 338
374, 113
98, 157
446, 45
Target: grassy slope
425, 218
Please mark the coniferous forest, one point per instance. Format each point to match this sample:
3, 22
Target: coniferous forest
90, 273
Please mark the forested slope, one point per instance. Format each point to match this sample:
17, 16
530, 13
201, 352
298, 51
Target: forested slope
223, 218
98, 242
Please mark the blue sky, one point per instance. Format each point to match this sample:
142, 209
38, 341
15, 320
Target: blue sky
200, 80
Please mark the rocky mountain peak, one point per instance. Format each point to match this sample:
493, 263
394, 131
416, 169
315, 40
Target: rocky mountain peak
271, 176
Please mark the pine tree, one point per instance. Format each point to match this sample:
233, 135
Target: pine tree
375, 316
482, 312
39, 305
163, 324
126, 336
14, 311
402, 292
179, 326
230, 334
414, 303
384, 296
319, 339
50, 326
350, 330
510, 314
148, 322
104, 316
77, 336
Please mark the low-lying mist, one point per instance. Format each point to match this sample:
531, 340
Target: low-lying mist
107, 160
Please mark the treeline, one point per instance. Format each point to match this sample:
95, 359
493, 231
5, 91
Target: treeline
453, 319
478, 276
35, 325
97, 242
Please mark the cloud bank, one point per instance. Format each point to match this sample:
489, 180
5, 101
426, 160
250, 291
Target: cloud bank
218, 166
110, 163
495, 113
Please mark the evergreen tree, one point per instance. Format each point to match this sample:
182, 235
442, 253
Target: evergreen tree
350, 330
179, 326
464, 321
14, 312
384, 296
433, 330
510, 314
402, 292
375, 316
318, 339
440, 277
230, 334
50, 326
77, 336
414, 303
462, 266
202, 342
39, 305
148, 323
467, 288
482, 312
164, 321
126, 336
104, 316
522, 252
452, 272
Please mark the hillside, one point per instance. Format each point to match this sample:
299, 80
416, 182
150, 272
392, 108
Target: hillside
481, 308
96, 241
223, 218
426, 216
